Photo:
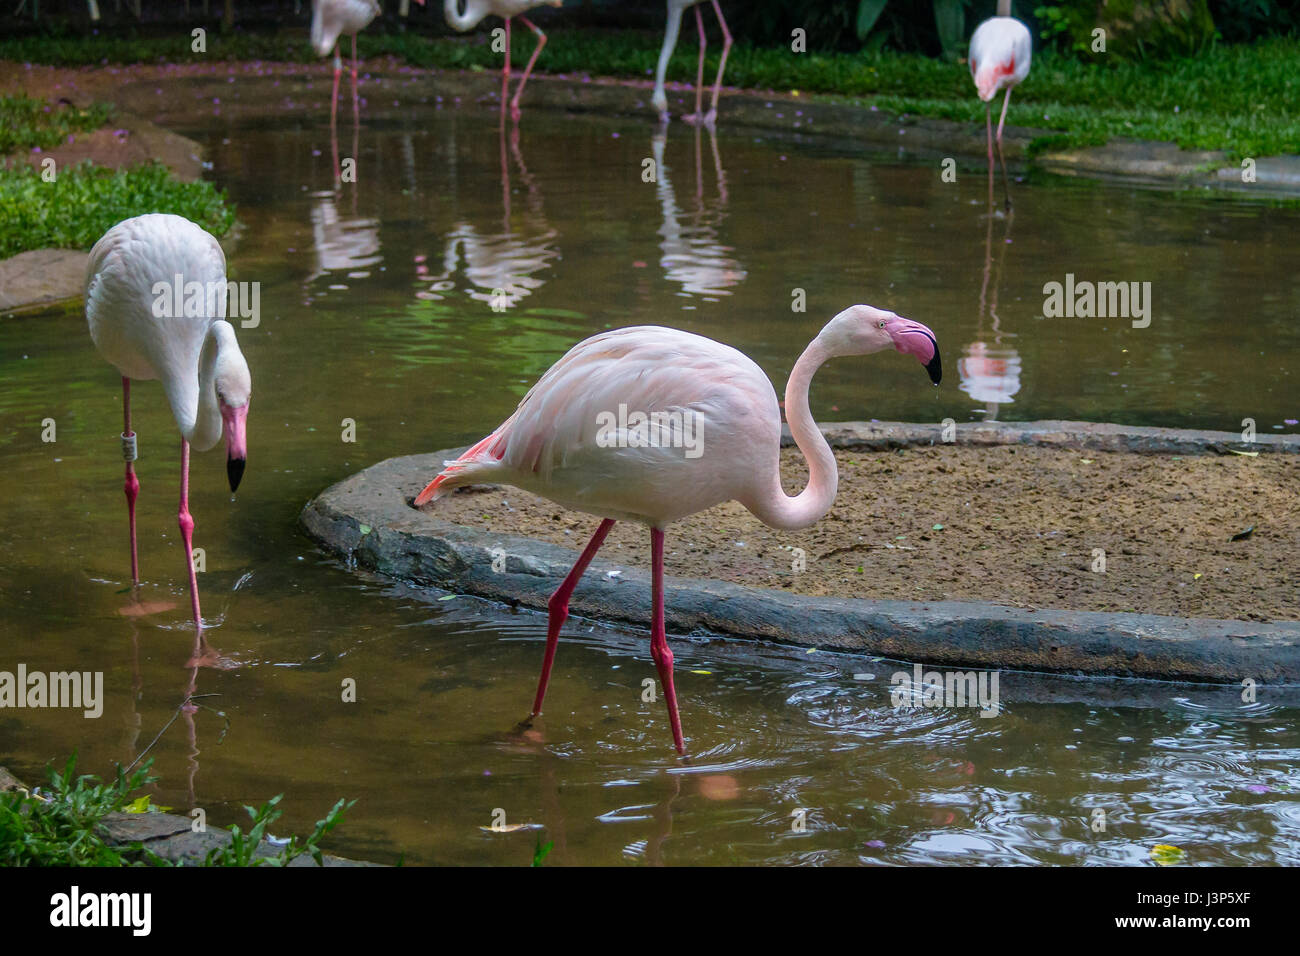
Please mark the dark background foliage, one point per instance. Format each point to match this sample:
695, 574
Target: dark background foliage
903, 25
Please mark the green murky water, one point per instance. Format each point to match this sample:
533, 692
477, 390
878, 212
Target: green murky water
376, 304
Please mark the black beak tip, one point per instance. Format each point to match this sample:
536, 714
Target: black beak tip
935, 368
235, 471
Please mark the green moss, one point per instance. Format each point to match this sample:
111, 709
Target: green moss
84, 201
26, 122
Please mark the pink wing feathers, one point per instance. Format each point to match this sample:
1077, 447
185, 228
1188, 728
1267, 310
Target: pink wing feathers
552, 437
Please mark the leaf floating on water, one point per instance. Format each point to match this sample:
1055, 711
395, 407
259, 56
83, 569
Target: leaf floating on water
511, 827
706, 673
1243, 535
365, 530
1085, 461
812, 650
1247, 454
447, 597
1166, 854
937, 527
1196, 576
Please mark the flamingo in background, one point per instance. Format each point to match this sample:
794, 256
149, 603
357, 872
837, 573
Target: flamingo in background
660, 100
559, 443
132, 282
331, 19
476, 10
1000, 50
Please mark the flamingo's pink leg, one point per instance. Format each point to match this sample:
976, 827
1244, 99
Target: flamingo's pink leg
132, 484
334, 98
558, 607
505, 67
659, 650
722, 65
699, 69
988, 128
541, 42
186, 523
356, 108
1006, 183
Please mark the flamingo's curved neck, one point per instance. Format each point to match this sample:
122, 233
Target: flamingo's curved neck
194, 400
776, 508
474, 12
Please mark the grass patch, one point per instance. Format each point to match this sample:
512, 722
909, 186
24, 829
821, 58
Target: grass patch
25, 122
86, 200
63, 826
65, 829
1244, 98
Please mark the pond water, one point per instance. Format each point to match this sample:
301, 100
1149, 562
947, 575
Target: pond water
377, 305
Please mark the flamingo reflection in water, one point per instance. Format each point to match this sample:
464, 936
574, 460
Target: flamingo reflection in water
502, 267
990, 371
691, 253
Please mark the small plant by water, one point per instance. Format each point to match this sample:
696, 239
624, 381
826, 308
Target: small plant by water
26, 122
242, 848
63, 826
84, 201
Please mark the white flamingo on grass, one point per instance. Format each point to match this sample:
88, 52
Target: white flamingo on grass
137, 272
1000, 50
558, 443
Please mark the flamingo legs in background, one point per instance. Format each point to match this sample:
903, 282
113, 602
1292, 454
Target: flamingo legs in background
660, 99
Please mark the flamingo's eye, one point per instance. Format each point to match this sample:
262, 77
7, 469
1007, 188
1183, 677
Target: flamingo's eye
881, 325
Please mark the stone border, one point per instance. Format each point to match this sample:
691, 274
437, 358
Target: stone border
368, 519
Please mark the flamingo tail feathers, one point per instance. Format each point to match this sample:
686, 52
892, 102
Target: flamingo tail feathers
488, 451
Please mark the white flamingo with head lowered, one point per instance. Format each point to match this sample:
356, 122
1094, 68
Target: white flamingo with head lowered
332, 19
1000, 49
653, 424
155, 303
660, 99
473, 14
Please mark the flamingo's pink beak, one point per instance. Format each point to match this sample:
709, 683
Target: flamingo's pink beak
913, 338
233, 430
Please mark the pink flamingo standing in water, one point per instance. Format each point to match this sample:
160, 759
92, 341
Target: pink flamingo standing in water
155, 301
473, 14
1000, 50
560, 442
332, 19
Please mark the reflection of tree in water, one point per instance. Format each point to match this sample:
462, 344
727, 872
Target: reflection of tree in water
990, 372
691, 252
500, 266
